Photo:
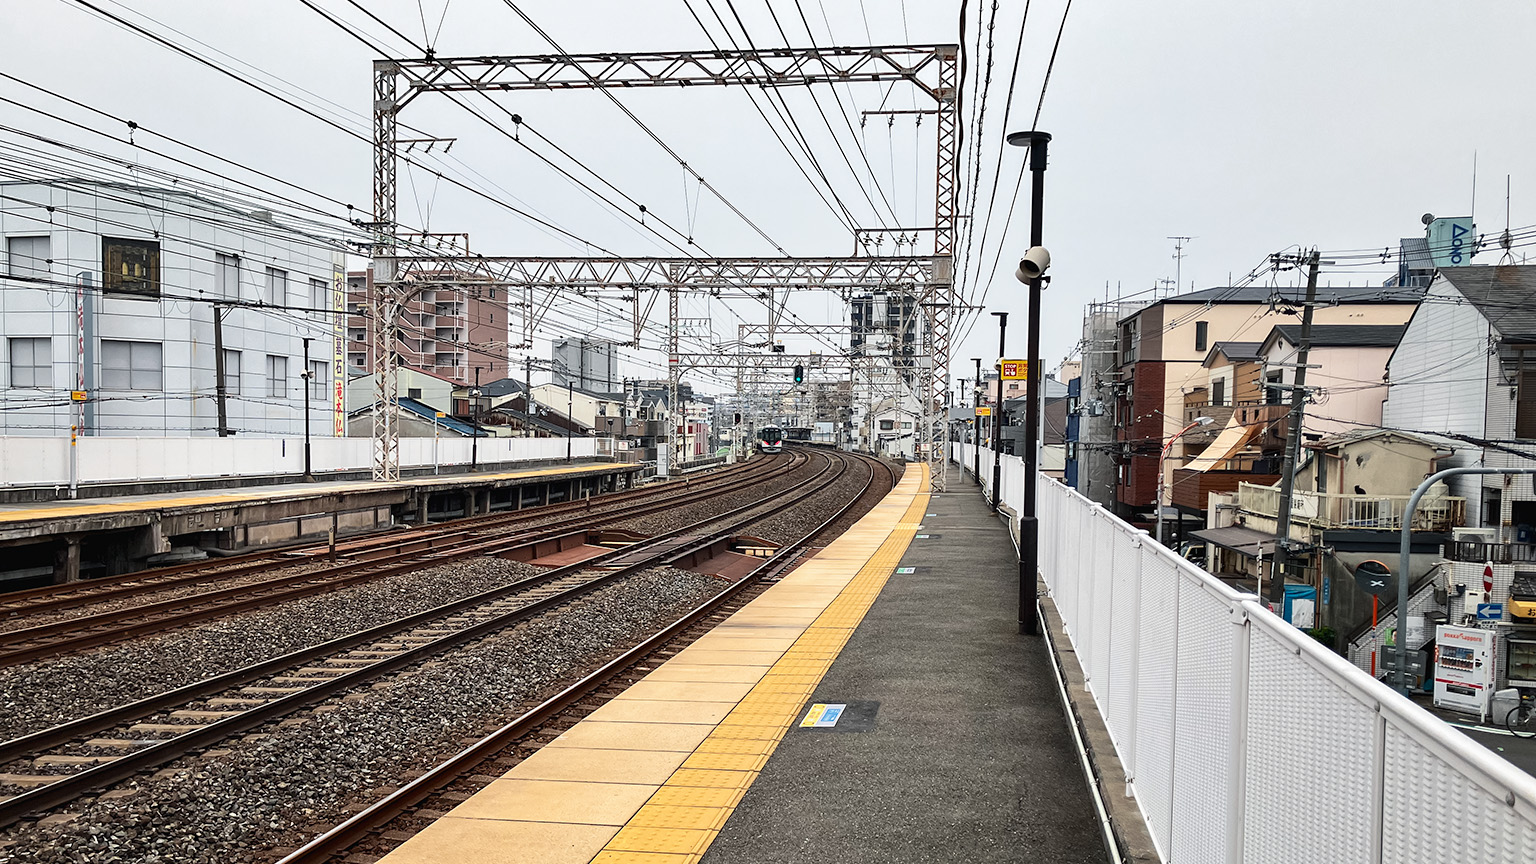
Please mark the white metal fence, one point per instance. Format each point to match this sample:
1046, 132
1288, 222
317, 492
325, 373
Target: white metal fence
1244, 739
30, 461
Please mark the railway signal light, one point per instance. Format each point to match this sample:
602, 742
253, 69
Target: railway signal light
799, 374
737, 421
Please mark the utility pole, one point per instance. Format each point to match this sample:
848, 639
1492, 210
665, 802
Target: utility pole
570, 417
528, 396
1293, 441
997, 411
220, 391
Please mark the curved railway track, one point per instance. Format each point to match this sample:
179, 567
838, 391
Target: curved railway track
87, 754
409, 551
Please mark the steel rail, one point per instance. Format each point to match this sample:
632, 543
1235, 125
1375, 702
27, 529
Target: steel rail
97, 629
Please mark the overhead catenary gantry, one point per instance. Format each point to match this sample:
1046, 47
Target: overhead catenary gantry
931, 69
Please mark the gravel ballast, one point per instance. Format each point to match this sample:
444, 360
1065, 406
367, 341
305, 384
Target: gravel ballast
38, 695
288, 781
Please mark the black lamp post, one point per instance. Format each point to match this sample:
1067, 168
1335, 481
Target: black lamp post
976, 421
309, 474
474, 425
1033, 269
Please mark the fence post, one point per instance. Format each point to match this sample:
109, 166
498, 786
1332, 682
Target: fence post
1133, 710
1378, 785
1237, 752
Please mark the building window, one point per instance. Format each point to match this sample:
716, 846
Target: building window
906, 424
1272, 388
887, 425
1493, 508
231, 372
130, 267
277, 287
131, 365
413, 393
1129, 342
319, 296
1219, 392
319, 375
28, 256
32, 362
226, 276
1202, 333
277, 376
357, 334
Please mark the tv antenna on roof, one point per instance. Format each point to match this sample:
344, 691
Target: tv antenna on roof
1178, 258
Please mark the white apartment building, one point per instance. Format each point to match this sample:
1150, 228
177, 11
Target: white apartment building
111, 289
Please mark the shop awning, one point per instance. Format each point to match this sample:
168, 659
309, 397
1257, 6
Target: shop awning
1243, 541
1232, 438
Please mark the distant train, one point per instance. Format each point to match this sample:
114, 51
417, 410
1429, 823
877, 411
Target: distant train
770, 439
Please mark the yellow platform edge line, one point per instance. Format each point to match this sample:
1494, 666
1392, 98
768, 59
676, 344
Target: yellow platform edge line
639, 840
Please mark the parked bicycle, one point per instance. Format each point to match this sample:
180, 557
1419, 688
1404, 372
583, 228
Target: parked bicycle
1521, 719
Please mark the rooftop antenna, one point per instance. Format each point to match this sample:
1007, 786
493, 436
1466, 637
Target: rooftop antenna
1473, 215
1178, 259
1506, 241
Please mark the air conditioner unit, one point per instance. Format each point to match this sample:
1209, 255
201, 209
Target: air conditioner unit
1474, 535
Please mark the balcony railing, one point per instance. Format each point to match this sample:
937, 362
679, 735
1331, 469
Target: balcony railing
1477, 552
1380, 512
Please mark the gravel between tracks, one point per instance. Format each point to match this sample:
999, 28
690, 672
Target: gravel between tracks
281, 785
214, 582
791, 524
680, 517
38, 695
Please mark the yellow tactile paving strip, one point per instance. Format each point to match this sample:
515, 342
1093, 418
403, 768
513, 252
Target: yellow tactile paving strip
651, 777
65, 510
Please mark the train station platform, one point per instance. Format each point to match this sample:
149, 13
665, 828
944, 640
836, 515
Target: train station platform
876, 705
131, 529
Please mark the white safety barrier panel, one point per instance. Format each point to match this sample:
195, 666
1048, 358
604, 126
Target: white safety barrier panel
34, 461
1245, 740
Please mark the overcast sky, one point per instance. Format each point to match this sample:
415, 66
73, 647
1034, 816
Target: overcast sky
1249, 127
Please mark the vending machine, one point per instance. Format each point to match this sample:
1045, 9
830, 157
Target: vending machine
1465, 667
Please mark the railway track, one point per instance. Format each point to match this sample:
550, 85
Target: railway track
385, 823
466, 538
57, 765
53, 598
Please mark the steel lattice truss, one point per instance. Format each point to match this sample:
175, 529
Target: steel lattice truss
772, 67
932, 69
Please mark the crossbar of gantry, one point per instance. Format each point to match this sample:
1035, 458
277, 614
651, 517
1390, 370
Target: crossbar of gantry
932, 69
